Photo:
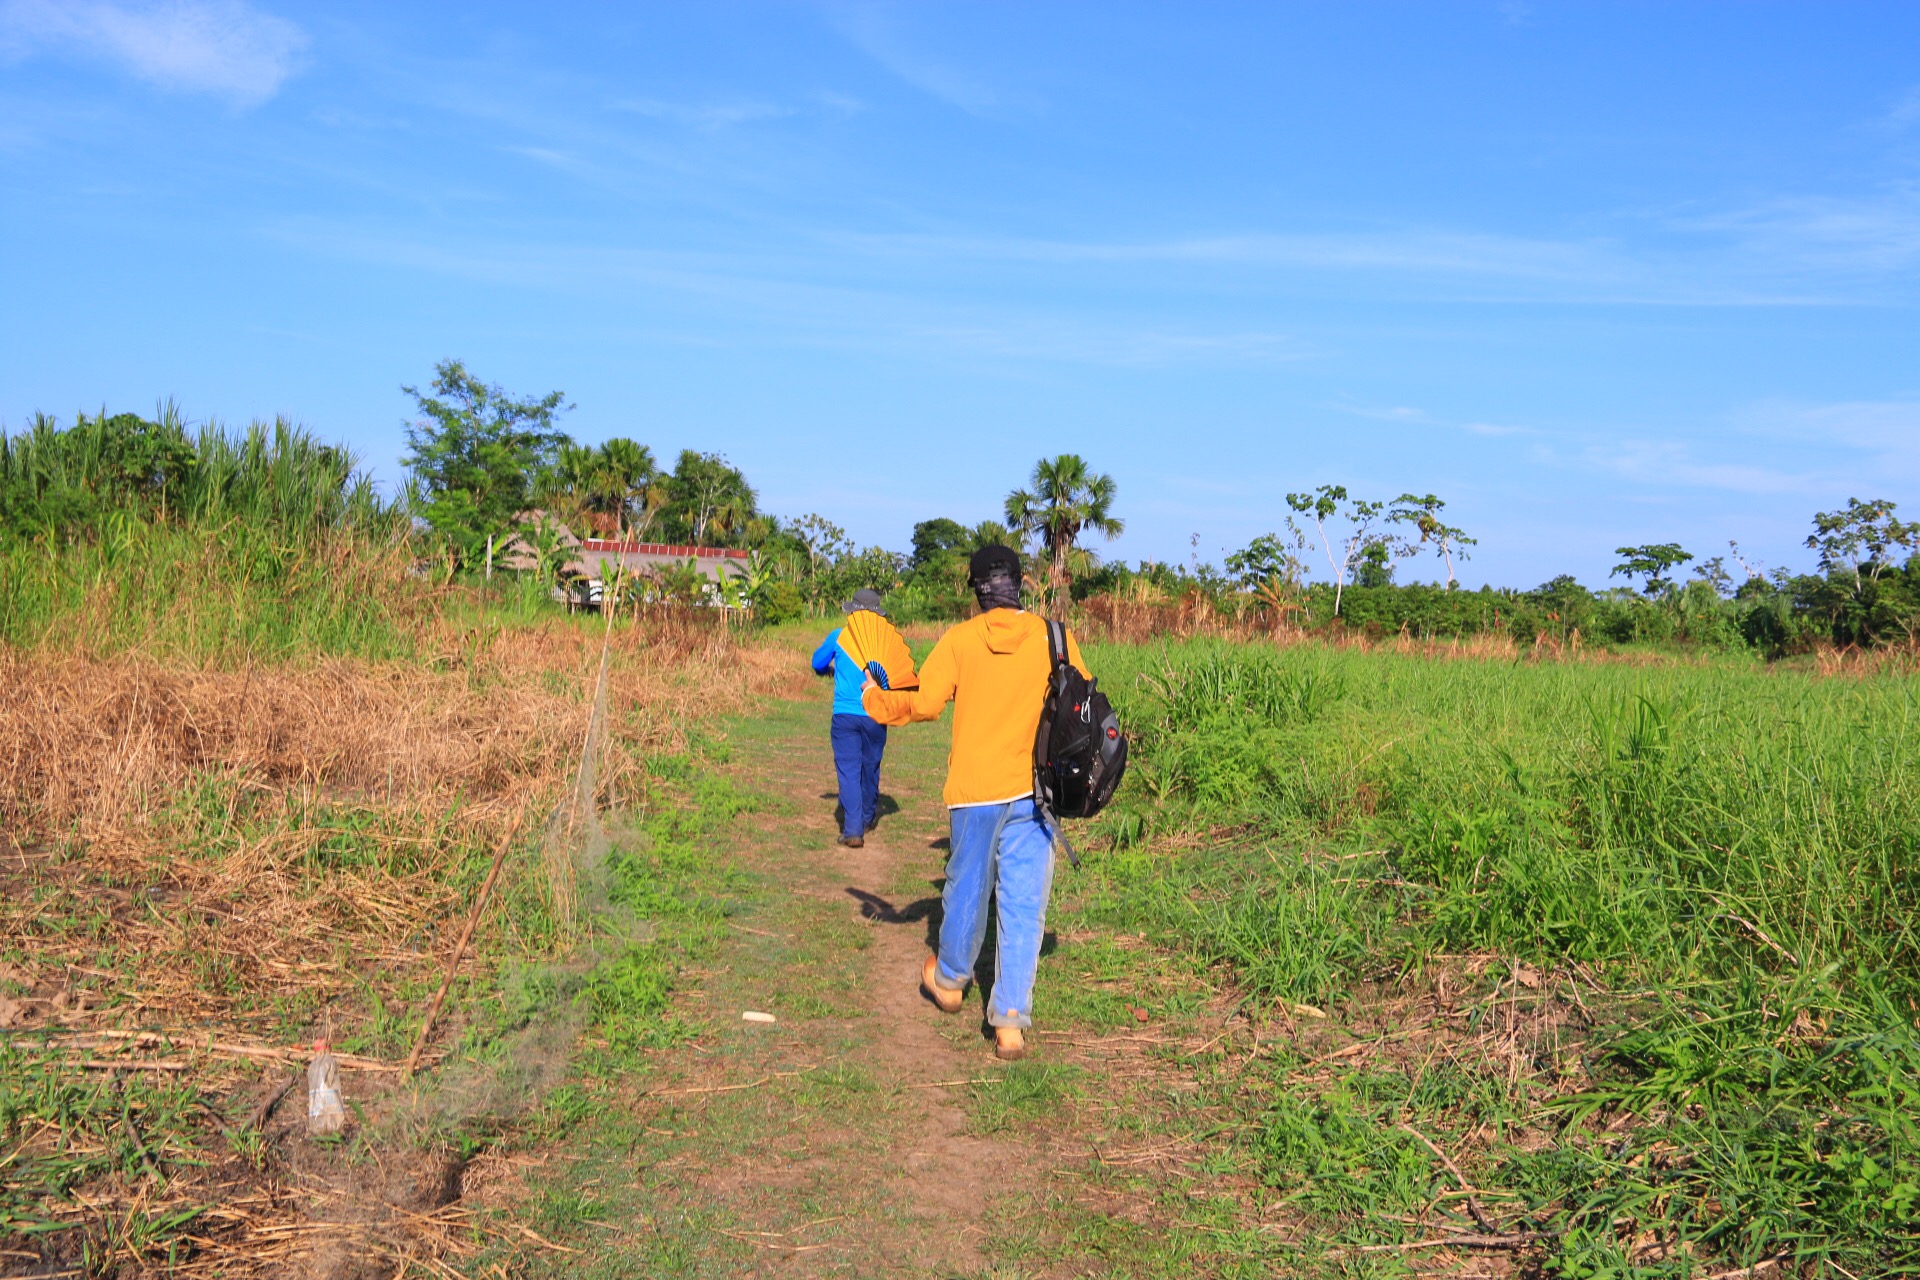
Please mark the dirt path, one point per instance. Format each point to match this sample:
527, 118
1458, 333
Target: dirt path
944, 1177
838, 1139
862, 1132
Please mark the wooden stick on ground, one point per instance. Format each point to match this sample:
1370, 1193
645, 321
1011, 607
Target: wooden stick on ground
1473, 1204
460, 948
260, 1113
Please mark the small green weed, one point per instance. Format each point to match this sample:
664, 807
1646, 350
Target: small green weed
1025, 1091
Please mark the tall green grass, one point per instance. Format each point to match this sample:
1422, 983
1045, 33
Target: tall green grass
223, 593
64, 483
1734, 851
123, 534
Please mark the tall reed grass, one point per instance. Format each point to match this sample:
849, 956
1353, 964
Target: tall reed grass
119, 533
65, 481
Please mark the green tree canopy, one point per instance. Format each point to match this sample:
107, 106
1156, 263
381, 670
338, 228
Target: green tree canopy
608, 489
475, 452
1422, 511
709, 503
1653, 562
1265, 559
935, 539
1353, 533
1862, 540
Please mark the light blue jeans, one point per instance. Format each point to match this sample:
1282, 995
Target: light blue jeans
1003, 851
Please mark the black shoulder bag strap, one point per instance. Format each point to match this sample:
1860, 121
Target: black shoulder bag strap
1057, 655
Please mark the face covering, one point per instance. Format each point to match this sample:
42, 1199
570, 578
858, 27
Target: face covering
997, 591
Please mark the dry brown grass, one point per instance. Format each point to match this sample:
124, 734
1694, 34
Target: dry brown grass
108, 769
1896, 660
1123, 621
256, 855
94, 746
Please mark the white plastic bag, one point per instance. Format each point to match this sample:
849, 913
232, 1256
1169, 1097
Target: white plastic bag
325, 1113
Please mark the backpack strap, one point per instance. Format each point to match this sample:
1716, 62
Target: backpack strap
1057, 652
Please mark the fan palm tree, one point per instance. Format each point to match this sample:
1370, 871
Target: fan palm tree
1066, 500
614, 487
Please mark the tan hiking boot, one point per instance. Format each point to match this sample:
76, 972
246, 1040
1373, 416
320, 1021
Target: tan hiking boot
853, 842
1009, 1044
948, 999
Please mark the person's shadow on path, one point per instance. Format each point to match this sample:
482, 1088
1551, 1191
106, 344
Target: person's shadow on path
884, 806
928, 910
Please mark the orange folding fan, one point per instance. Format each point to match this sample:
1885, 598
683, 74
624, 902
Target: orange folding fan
872, 640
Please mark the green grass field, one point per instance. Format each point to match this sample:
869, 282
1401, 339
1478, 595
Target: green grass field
1688, 889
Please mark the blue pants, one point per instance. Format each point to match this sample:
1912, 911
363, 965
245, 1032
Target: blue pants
858, 742
1004, 851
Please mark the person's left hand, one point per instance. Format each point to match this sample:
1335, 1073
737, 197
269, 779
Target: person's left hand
871, 684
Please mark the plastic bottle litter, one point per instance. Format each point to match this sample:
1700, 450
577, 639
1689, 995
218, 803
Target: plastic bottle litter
325, 1114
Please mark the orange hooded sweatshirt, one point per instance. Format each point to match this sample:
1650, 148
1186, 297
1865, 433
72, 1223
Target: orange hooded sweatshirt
994, 670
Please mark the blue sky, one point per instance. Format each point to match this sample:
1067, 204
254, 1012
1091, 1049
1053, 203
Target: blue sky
1593, 273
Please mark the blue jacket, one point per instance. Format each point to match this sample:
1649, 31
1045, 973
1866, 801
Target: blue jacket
848, 679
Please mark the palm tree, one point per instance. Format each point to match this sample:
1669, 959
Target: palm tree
1066, 499
614, 488
628, 481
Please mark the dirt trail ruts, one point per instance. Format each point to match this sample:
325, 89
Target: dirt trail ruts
953, 1174
946, 1177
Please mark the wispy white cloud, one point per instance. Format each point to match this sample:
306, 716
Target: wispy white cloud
1876, 233
222, 47
1819, 451
1669, 463
1464, 266
552, 158
1859, 441
1906, 110
704, 115
1412, 417
1401, 249
874, 30
1014, 335
844, 103
1763, 449
771, 297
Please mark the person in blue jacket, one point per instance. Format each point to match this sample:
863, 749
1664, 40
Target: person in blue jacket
858, 740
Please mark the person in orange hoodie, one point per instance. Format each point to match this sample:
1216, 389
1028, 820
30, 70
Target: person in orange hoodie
994, 669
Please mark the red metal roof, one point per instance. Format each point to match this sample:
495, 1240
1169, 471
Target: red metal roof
660, 549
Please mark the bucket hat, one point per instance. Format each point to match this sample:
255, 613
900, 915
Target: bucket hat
865, 598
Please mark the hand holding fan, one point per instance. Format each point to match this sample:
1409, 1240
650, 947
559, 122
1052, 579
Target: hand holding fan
879, 649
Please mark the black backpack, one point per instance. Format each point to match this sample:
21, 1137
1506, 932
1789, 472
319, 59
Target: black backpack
1079, 752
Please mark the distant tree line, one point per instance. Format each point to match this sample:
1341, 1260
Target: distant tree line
486, 467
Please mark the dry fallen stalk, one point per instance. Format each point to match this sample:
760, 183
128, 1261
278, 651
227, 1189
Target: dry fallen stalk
268, 1103
1461, 1241
1473, 1204
60, 1039
727, 1088
460, 947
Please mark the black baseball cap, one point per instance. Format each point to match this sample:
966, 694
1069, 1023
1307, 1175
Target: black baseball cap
989, 560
